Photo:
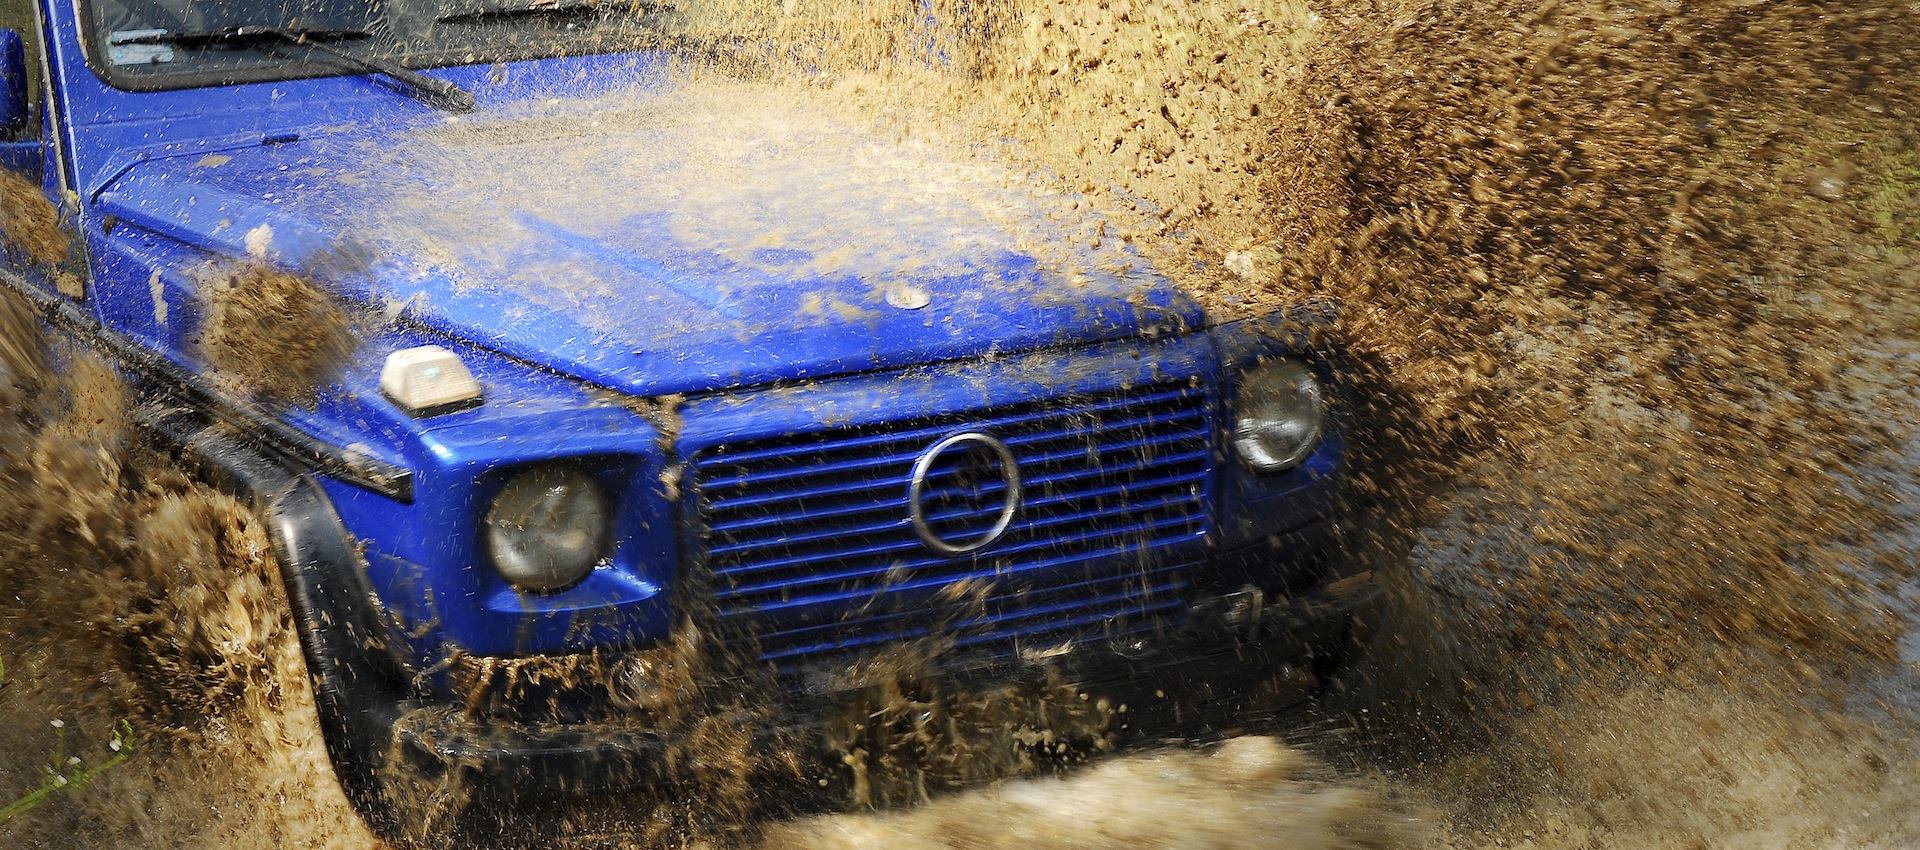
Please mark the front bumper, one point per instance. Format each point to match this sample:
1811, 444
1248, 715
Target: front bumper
1240, 650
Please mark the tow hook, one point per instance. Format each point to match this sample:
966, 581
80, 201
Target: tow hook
1243, 608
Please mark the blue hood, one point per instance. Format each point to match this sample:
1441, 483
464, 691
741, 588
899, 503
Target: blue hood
668, 240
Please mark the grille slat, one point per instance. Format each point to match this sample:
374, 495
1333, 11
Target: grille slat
907, 543
917, 574
811, 550
893, 481
897, 521
779, 451
893, 462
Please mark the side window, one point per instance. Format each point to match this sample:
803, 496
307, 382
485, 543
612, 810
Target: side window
18, 16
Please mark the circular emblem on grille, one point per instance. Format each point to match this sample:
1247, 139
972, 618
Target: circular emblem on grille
964, 492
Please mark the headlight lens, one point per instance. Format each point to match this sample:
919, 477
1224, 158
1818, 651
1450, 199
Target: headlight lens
1278, 414
548, 528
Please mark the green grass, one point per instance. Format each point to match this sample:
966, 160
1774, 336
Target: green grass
66, 773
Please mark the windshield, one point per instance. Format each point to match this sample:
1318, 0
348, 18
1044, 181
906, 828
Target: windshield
150, 44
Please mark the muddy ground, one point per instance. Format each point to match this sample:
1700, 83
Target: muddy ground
1631, 293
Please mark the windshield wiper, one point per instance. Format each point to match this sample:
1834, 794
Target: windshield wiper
437, 92
533, 9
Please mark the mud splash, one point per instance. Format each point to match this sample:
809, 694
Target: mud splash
1634, 423
1606, 304
1248, 792
1632, 290
1154, 114
30, 224
1664, 766
136, 594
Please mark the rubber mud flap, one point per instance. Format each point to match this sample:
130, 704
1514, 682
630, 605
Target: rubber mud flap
359, 696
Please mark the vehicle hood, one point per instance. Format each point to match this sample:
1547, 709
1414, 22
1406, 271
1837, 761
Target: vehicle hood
670, 240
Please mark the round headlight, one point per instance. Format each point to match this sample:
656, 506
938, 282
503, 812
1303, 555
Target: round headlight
1278, 414
548, 528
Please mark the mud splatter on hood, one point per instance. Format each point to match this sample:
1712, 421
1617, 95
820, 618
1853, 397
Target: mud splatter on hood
695, 237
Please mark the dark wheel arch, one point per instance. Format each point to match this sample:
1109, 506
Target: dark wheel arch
361, 688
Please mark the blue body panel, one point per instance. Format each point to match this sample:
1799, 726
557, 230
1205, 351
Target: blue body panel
312, 160
805, 342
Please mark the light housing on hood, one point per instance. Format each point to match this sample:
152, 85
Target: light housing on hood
429, 380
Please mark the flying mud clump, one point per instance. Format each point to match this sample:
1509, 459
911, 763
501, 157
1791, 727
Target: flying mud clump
272, 333
29, 221
31, 224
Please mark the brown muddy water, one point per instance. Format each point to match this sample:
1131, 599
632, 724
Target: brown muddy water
1632, 296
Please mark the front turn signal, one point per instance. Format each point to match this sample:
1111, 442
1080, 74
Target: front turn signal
429, 380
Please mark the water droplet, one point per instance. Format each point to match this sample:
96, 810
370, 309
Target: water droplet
907, 296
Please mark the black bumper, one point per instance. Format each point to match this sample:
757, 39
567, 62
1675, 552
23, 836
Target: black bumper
1241, 650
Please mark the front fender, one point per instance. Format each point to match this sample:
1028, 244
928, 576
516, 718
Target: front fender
361, 687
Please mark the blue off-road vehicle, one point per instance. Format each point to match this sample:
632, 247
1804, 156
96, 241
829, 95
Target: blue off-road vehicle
581, 393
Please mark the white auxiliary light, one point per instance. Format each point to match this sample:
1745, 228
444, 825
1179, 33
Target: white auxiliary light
428, 381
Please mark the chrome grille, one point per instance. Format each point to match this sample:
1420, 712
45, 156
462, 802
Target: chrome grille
811, 550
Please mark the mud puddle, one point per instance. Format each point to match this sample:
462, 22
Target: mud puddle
1631, 293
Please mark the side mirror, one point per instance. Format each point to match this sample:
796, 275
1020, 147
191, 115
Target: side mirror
16, 112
